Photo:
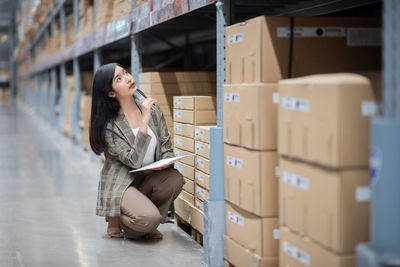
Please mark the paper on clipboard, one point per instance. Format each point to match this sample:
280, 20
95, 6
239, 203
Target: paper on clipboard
161, 163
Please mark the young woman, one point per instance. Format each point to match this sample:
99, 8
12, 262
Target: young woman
131, 133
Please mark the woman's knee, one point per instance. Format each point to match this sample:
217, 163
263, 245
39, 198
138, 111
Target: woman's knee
175, 179
143, 223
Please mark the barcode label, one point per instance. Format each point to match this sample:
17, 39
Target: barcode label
235, 218
199, 147
299, 104
177, 127
200, 191
200, 162
177, 114
199, 177
296, 180
284, 32
199, 205
276, 233
199, 132
277, 171
232, 97
364, 37
363, 193
235, 38
275, 98
296, 253
369, 108
178, 101
178, 167
178, 153
178, 141
234, 162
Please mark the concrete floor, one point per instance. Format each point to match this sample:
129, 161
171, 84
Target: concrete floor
48, 189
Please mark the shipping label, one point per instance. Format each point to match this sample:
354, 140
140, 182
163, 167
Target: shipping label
235, 218
178, 101
369, 108
178, 141
296, 180
363, 194
234, 162
199, 177
199, 147
199, 205
232, 97
296, 253
235, 38
275, 98
200, 162
200, 191
284, 32
199, 132
178, 153
177, 114
276, 233
293, 103
177, 127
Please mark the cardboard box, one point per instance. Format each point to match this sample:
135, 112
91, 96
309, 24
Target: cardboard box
184, 129
163, 99
202, 164
250, 180
258, 50
331, 207
195, 102
201, 193
183, 209
184, 143
197, 117
202, 149
259, 234
175, 77
240, 256
321, 119
202, 179
167, 110
188, 186
186, 170
197, 220
182, 88
296, 251
187, 197
250, 115
188, 160
198, 203
202, 133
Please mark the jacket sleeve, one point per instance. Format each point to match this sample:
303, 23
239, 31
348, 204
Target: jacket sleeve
166, 149
118, 147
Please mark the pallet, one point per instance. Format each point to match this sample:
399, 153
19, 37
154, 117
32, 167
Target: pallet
185, 226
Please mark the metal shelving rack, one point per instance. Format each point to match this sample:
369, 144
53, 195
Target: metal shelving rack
385, 231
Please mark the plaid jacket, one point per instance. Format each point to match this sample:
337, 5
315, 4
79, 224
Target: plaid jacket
124, 152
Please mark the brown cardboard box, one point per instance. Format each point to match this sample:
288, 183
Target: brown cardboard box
163, 99
187, 196
198, 203
186, 170
184, 143
240, 256
188, 186
296, 251
202, 149
321, 120
182, 88
188, 160
195, 102
259, 234
175, 77
258, 50
250, 180
184, 129
197, 117
331, 207
250, 115
167, 110
202, 133
183, 209
197, 219
202, 179
202, 164
201, 193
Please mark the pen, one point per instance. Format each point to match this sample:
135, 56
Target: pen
141, 92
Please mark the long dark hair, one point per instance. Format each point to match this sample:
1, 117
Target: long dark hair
104, 108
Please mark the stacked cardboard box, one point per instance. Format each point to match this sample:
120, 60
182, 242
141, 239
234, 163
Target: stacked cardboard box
121, 8
163, 86
324, 192
69, 35
69, 96
104, 13
86, 24
85, 109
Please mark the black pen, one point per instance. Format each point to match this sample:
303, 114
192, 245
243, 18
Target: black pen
141, 92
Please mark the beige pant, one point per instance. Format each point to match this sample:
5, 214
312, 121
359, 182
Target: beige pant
146, 202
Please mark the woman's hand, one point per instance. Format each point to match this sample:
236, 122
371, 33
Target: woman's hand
146, 109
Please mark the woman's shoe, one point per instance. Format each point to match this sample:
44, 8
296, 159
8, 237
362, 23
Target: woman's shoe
115, 232
154, 235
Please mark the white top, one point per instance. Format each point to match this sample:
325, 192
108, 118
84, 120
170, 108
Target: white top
151, 150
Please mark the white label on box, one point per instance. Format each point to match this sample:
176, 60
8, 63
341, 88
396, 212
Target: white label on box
199, 147
232, 97
234, 162
296, 180
235, 38
277, 171
178, 101
199, 132
275, 98
296, 253
178, 153
178, 141
177, 127
177, 114
200, 191
369, 108
299, 104
364, 36
178, 167
284, 32
199, 205
276, 234
199, 177
200, 162
363, 193
235, 218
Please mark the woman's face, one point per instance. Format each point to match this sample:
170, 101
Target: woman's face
123, 84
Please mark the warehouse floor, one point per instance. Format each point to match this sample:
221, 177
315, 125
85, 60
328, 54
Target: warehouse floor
48, 190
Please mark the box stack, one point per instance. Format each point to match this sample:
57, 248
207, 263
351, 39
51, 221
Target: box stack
69, 96
85, 109
70, 31
324, 192
121, 8
86, 25
104, 13
163, 86
191, 112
